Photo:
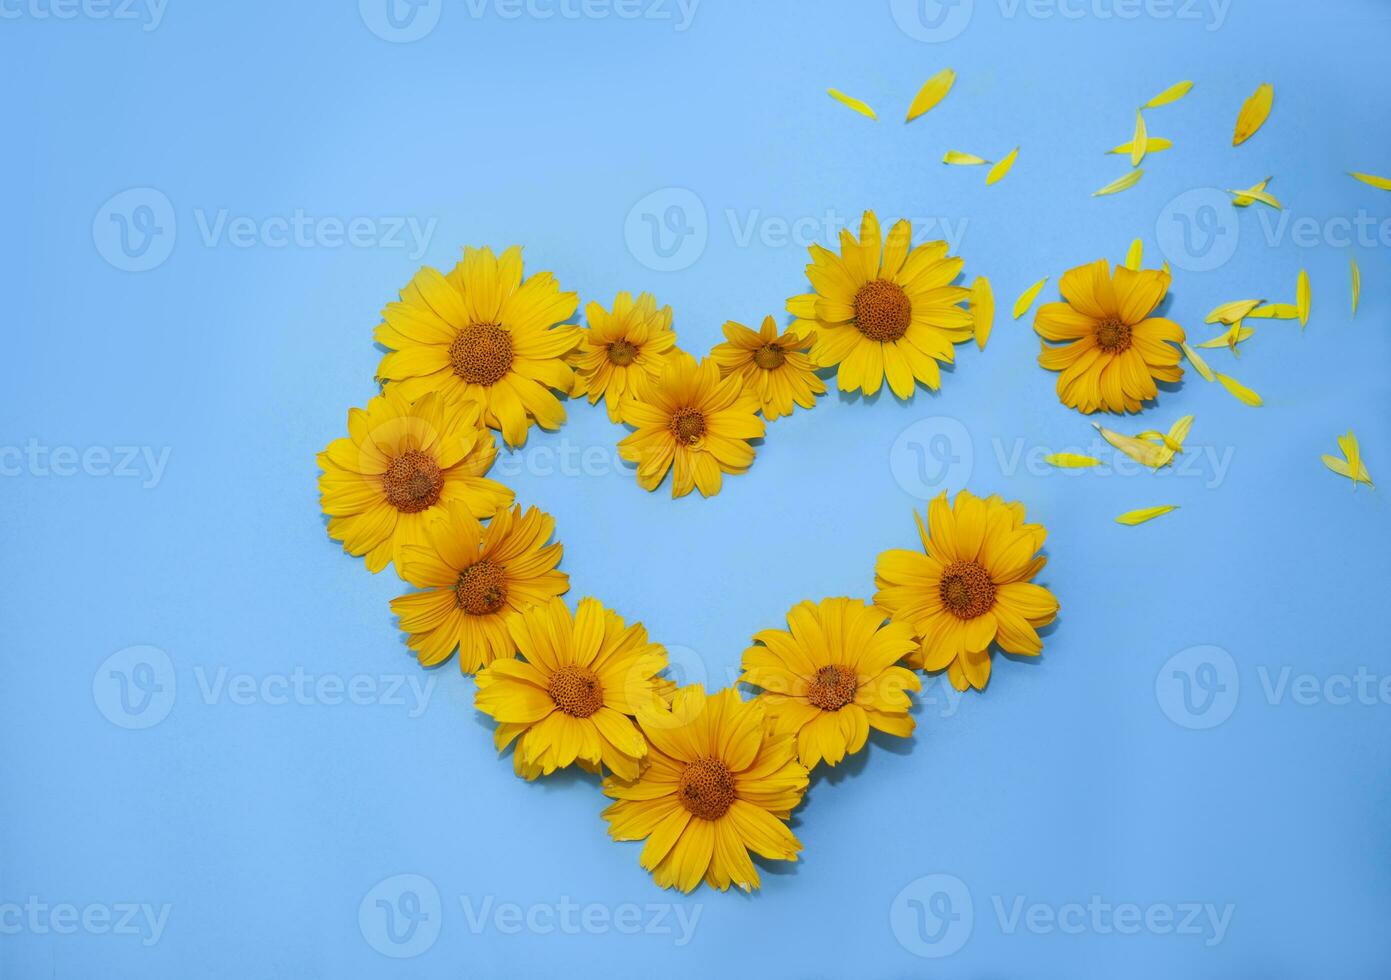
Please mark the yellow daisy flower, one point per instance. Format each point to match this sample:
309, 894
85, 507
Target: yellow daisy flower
484, 334
831, 677
776, 367
883, 309
1114, 348
401, 464
477, 580
717, 784
621, 351
571, 696
969, 587
689, 418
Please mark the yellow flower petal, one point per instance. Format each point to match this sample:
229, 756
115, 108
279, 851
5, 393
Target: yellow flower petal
1242, 199
1234, 335
1381, 183
1026, 299
982, 305
1137, 142
1198, 363
959, 159
1275, 311
1301, 298
932, 92
1133, 517
1153, 144
1124, 183
998, 171
1171, 94
1232, 312
1135, 256
1071, 461
1352, 466
1356, 283
851, 102
1253, 114
1242, 393
1144, 453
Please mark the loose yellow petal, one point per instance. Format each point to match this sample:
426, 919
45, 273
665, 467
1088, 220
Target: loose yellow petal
1352, 466
1231, 312
1242, 393
1026, 298
982, 304
1243, 198
1171, 94
959, 159
1178, 432
1116, 186
851, 102
1138, 141
1135, 256
1133, 517
1144, 453
1232, 336
1301, 298
1275, 311
1356, 283
1198, 363
933, 91
1253, 114
1071, 461
998, 171
1381, 183
1153, 144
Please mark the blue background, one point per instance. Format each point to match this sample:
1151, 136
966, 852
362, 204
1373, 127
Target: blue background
266, 827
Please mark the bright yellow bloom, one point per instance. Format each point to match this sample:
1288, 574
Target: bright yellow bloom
883, 309
776, 367
1114, 348
623, 350
832, 677
969, 587
400, 465
477, 580
689, 418
571, 696
483, 334
717, 784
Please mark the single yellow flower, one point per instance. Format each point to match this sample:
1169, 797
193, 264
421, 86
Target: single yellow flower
831, 677
690, 419
621, 350
477, 580
717, 784
969, 587
483, 334
1115, 349
883, 309
776, 367
571, 696
401, 464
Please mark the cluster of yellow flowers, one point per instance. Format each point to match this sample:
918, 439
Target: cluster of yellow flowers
704, 779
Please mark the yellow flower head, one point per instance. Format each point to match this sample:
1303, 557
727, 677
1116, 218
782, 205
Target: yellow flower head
831, 677
1114, 349
776, 367
483, 334
717, 784
477, 580
400, 465
570, 699
969, 587
621, 351
691, 419
883, 309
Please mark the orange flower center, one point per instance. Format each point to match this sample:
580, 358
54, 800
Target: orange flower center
769, 357
481, 353
622, 352
481, 589
576, 690
882, 310
412, 482
834, 688
687, 424
706, 789
1112, 336
967, 590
